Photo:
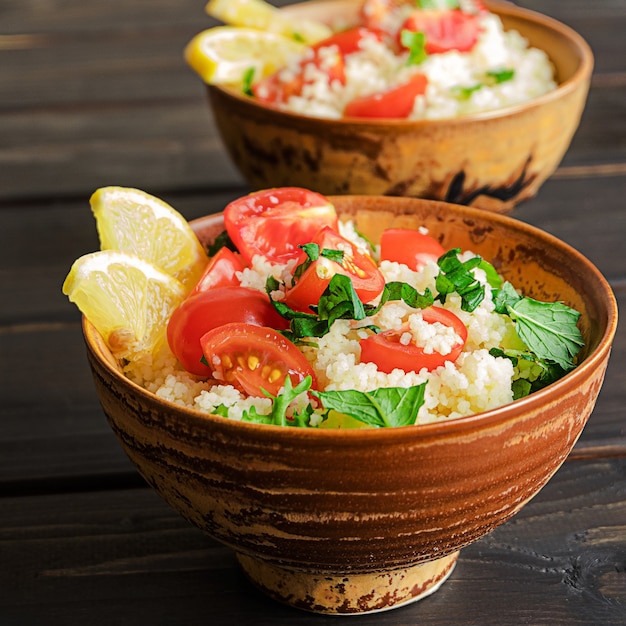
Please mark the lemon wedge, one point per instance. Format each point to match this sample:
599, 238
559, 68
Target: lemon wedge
225, 54
263, 16
127, 299
133, 221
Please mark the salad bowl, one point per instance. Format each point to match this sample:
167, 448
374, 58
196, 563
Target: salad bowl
355, 521
492, 160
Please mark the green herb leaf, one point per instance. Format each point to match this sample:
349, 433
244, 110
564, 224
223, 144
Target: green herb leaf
521, 388
461, 92
493, 278
280, 404
495, 77
438, 4
415, 42
456, 276
221, 410
247, 80
385, 407
532, 373
223, 240
313, 253
340, 301
505, 297
548, 329
408, 294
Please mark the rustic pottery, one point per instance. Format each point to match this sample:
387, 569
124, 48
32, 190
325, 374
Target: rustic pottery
354, 521
491, 160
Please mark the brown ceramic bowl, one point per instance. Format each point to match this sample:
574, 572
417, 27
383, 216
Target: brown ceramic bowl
491, 160
348, 521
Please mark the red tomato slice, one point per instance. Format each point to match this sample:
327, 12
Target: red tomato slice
207, 310
444, 30
386, 351
252, 358
411, 247
366, 278
276, 88
274, 222
220, 271
396, 103
348, 41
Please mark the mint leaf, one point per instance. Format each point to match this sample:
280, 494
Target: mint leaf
438, 4
521, 388
495, 77
461, 92
455, 276
532, 372
504, 298
408, 294
248, 79
415, 42
494, 280
223, 240
384, 407
313, 253
548, 329
340, 301
280, 404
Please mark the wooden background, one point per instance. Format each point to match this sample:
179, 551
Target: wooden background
96, 93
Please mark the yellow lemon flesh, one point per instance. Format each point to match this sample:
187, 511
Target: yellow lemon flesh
261, 15
225, 55
133, 221
127, 299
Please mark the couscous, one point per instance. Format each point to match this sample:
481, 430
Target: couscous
412, 61
441, 325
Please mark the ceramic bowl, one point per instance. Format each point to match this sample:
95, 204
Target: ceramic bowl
490, 160
351, 521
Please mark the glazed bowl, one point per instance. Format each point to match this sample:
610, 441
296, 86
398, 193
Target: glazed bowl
492, 160
352, 521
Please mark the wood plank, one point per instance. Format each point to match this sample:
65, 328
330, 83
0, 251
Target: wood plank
115, 557
175, 145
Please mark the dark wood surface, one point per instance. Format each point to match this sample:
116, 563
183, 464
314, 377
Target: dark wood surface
96, 93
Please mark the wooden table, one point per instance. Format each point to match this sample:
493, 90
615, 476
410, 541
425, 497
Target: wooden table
97, 93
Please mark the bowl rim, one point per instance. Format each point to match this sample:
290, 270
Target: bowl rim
582, 74
448, 427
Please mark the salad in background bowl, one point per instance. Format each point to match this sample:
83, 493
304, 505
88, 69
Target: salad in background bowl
352, 520
474, 104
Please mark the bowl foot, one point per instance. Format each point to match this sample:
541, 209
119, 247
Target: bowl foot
348, 593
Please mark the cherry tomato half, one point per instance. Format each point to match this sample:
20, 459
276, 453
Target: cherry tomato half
348, 41
253, 358
366, 278
207, 310
397, 102
444, 30
276, 89
220, 271
386, 351
408, 246
274, 222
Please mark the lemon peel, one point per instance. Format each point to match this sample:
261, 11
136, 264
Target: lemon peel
261, 15
127, 299
133, 221
224, 55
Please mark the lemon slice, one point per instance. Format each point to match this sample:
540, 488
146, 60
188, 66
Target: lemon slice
127, 299
224, 54
263, 16
133, 221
